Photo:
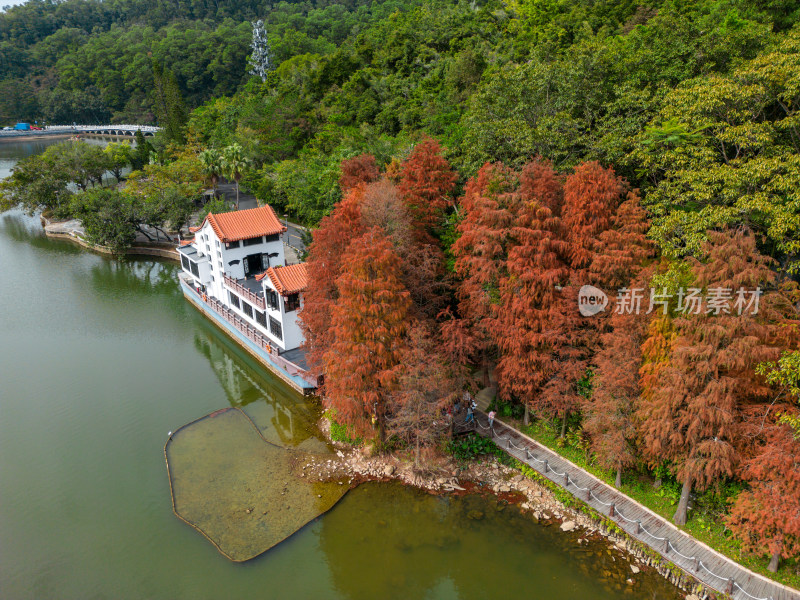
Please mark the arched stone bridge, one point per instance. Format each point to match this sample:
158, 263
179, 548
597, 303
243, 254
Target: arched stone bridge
147, 130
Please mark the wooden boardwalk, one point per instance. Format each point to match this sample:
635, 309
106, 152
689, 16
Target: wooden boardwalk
695, 558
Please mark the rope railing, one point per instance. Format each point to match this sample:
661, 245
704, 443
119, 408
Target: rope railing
529, 458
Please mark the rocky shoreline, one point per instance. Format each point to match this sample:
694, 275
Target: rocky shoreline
353, 466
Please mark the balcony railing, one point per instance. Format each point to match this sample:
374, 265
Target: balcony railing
251, 297
255, 336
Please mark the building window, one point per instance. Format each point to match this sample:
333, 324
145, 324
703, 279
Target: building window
185, 263
261, 319
292, 302
230, 245
247, 309
271, 299
195, 270
234, 299
275, 328
252, 241
274, 237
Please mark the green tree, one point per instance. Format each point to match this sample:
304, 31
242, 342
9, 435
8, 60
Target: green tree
234, 162
211, 161
109, 217
169, 104
119, 156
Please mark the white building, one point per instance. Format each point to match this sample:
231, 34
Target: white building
236, 265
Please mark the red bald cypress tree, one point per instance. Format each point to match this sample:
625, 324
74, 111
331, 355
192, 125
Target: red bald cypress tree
623, 249
426, 184
326, 256
591, 197
690, 416
359, 169
766, 518
481, 250
363, 360
530, 324
428, 384
421, 256
619, 258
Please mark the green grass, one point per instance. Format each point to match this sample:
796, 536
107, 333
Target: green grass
342, 433
705, 523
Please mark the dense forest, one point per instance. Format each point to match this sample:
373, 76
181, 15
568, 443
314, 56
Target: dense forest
466, 168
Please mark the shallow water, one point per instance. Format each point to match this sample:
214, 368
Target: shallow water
100, 359
242, 492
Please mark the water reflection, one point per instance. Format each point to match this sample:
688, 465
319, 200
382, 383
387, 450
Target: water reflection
284, 417
139, 276
27, 230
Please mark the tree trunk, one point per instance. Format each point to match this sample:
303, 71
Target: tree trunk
416, 455
683, 504
144, 233
618, 480
564, 425
774, 562
527, 418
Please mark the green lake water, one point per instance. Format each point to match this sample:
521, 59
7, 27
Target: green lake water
100, 359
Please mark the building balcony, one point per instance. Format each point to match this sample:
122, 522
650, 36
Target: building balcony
247, 289
195, 264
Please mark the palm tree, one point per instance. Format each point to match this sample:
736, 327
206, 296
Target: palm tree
234, 162
211, 164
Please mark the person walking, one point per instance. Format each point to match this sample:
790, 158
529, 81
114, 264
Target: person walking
470, 415
491, 418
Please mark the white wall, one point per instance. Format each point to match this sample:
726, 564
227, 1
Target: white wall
207, 242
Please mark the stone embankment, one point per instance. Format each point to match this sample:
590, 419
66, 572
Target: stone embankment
353, 466
73, 231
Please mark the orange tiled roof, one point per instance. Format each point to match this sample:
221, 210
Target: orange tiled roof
194, 229
186, 242
287, 280
245, 224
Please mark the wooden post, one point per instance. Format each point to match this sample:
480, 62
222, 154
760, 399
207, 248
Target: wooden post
611, 510
527, 453
508, 443
546, 466
666, 546
588, 495
729, 587
566, 478
638, 529
696, 565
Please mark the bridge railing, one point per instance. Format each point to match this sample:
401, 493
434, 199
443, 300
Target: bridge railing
119, 127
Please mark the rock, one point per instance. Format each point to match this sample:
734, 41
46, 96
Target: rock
388, 471
247, 510
635, 569
629, 581
568, 526
475, 515
503, 488
692, 597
